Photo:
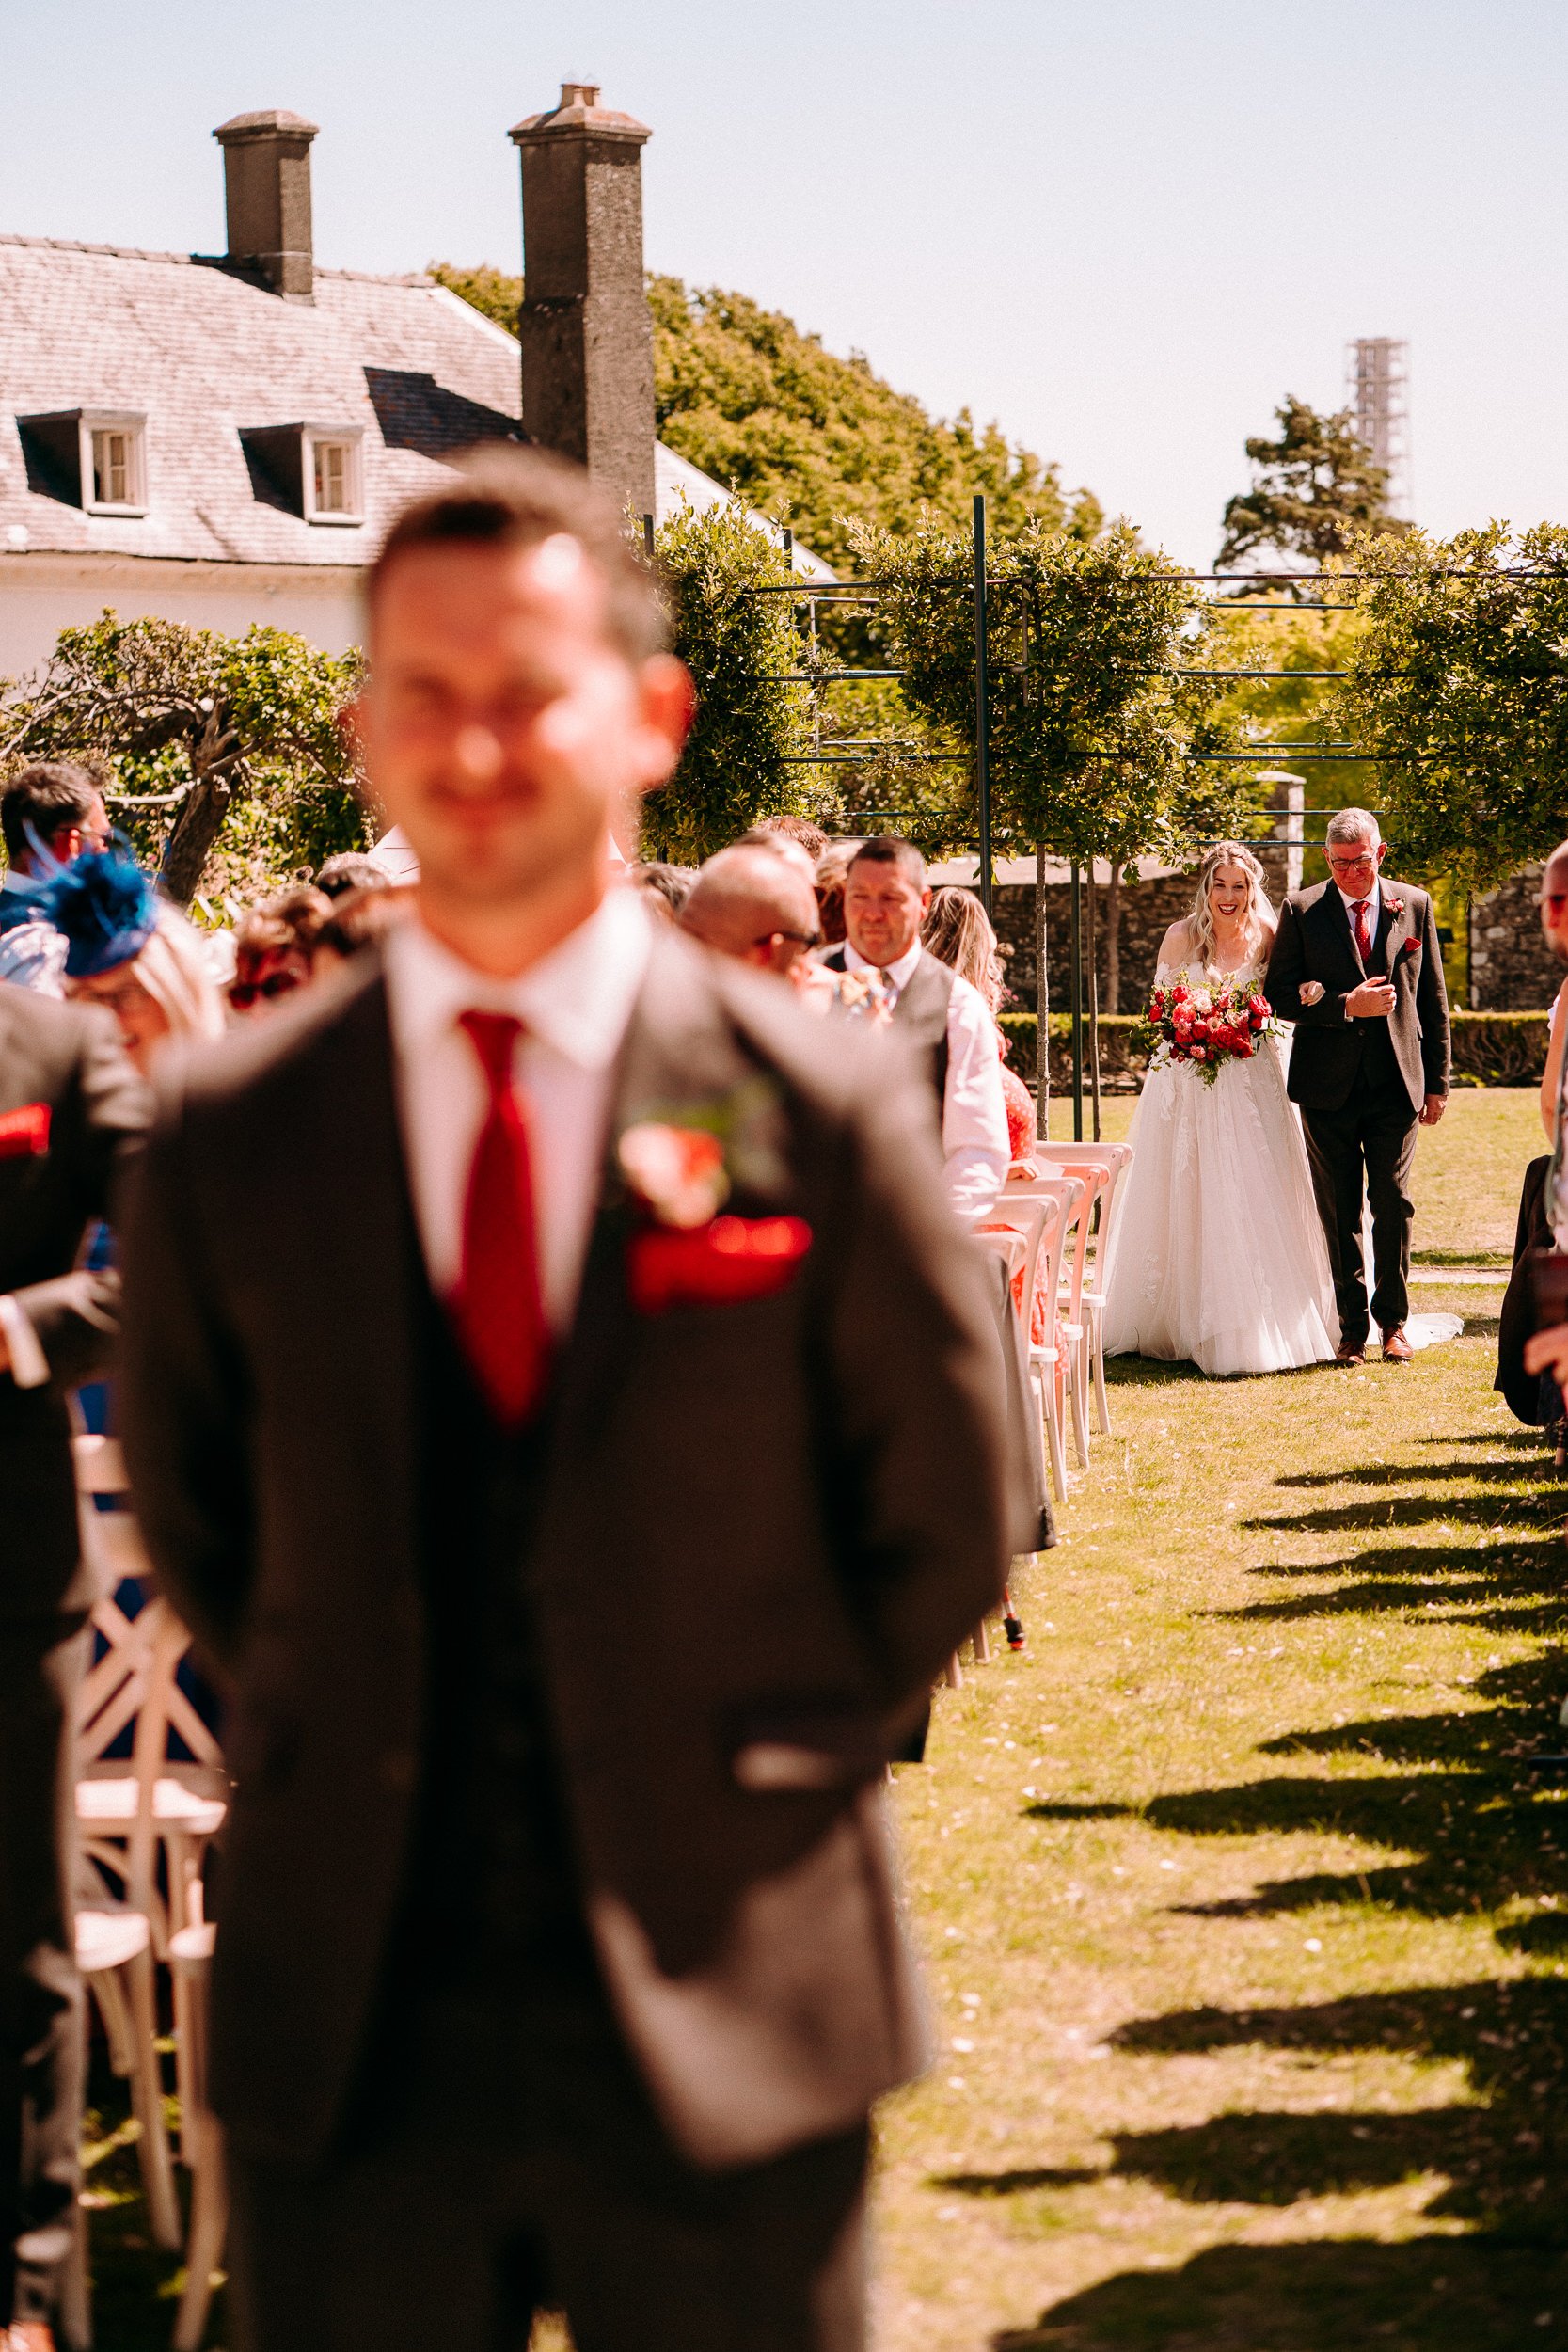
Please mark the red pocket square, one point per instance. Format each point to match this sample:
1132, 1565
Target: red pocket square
732, 1258
24, 1134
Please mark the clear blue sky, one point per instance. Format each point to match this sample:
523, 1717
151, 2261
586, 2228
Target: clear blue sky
1124, 228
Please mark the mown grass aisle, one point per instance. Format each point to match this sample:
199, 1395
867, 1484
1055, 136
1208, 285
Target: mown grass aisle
1248, 1924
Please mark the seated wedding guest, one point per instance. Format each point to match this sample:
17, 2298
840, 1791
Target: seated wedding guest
70, 1109
561, 1960
957, 930
351, 869
274, 947
358, 921
942, 1016
1545, 1353
832, 867
754, 905
128, 949
667, 887
49, 814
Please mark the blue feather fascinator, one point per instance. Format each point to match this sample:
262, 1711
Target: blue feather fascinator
106, 907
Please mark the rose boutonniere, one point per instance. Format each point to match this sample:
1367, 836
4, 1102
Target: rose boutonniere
678, 1173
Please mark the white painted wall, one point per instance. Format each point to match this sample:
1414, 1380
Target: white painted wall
41, 595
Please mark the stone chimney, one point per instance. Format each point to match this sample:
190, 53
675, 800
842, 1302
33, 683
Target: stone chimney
586, 331
266, 170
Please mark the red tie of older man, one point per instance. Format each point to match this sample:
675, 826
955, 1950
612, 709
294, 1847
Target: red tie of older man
1364, 927
496, 1306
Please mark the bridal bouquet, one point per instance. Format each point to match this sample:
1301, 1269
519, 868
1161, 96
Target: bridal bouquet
1206, 1025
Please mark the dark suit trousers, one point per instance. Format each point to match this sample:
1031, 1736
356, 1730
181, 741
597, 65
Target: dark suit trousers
1370, 1140
41, 2041
509, 2162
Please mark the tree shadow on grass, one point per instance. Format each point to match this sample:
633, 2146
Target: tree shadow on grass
1523, 1511
1427, 2294
1493, 2162
1489, 1472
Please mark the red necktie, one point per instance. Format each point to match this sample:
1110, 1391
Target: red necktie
1364, 927
496, 1306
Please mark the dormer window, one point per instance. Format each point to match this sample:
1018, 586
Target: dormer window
93, 458
312, 471
113, 468
332, 492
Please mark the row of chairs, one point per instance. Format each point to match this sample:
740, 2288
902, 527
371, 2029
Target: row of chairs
144, 1823
1055, 1226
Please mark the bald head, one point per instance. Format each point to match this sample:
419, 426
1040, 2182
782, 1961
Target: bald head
1553, 901
753, 904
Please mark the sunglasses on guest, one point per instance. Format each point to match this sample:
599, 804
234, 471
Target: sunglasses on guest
243, 993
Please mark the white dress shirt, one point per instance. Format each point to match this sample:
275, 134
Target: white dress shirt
973, 1109
574, 1006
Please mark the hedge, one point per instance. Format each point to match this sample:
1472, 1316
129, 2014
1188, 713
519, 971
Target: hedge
1490, 1049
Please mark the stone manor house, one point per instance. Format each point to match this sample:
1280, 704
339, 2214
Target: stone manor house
220, 439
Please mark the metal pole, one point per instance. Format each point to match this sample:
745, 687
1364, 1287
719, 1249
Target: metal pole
1077, 1001
648, 537
982, 714
788, 549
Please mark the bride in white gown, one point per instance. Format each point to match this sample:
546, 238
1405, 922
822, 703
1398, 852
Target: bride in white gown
1221, 1260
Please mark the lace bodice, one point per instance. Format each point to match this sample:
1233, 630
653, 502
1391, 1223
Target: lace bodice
1250, 973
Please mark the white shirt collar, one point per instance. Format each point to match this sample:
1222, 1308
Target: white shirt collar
577, 1001
900, 974
1374, 895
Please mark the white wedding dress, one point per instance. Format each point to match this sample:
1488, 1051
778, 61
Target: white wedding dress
1220, 1259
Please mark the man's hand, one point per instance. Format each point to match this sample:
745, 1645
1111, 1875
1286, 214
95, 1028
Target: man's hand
1372, 1000
1549, 1352
1432, 1109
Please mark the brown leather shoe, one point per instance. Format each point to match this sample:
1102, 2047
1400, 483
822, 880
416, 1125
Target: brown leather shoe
1396, 1347
1347, 1353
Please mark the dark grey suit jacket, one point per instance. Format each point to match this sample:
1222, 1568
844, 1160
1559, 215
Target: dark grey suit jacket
70, 1057
766, 1522
1315, 942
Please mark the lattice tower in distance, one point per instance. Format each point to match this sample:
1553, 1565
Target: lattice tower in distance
1377, 390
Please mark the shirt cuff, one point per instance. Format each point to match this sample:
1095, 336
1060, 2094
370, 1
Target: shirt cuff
974, 1180
29, 1364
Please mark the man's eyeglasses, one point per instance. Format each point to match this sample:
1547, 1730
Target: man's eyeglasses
802, 941
1354, 864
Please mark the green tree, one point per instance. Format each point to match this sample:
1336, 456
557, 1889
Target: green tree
818, 440
1314, 487
1101, 724
1458, 686
228, 755
748, 753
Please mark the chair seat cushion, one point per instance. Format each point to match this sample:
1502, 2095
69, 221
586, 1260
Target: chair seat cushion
107, 1939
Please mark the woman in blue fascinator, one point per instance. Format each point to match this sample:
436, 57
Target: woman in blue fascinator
132, 951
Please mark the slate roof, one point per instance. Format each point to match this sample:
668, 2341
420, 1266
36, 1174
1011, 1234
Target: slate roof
209, 354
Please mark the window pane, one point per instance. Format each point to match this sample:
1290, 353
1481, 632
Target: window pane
111, 468
331, 478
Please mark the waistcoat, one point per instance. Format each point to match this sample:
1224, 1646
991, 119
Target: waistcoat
920, 1015
492, 1888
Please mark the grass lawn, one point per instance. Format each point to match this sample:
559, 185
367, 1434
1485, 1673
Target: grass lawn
1246, 1922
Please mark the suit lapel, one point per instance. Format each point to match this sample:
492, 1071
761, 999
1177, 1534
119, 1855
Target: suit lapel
1336, 916
363, 1255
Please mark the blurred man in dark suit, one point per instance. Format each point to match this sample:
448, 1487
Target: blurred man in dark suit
557, 1391
71, 1108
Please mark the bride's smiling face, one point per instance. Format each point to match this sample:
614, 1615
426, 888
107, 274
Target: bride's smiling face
1229, 895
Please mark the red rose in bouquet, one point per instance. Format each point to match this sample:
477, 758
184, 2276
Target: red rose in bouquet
1205, 1027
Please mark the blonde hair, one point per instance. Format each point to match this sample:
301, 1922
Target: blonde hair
1200, 921
172, 967
957, 931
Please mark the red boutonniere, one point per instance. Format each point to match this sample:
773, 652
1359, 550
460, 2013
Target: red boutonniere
24, 1133
682, 1252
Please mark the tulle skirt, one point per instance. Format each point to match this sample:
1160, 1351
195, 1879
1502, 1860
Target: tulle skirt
1220, 1259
